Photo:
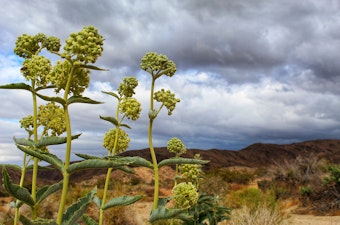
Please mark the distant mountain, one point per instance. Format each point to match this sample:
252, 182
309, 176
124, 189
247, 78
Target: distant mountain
255, 155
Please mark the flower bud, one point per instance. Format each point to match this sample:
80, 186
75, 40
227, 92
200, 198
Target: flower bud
175, 145
185, 195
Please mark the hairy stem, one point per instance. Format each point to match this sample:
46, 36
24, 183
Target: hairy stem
152, 150
35, 164
66, 175
108, 174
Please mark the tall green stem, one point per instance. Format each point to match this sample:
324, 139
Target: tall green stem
108, 174
66, 175
36, 160
21, 184
152, 150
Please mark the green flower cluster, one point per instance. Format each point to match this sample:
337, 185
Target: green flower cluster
51, 117
158, 65
185, 195
37, 68
131, 108
122, 144
84, 46
126, 88
168, 99
27, 123
190, 171
175, 145
80, 78
26, 45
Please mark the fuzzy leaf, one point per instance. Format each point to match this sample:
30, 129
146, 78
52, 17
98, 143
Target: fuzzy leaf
178, 160
91, 67
21, 86
23, 141
162, 201
88, 220
75, 211
110, 119
134, 160
162, 213
112, 94
39, 221
122, 201
81, 99
125, 125
96, 163
97, 201
45, 141
47, 157
46, 191
85, 156
15, 190
51, 99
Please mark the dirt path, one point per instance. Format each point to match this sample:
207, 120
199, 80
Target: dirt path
314, 220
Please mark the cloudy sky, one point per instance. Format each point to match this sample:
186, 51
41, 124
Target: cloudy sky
247, 71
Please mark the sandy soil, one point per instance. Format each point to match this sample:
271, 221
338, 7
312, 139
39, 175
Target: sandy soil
314, 220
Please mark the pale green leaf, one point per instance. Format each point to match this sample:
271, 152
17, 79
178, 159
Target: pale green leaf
97, 201
88, 220
39, 221
133, 160
178, 160
45, 141
81, 99
96, 163
23, 141
21, 86
112, 94
91, 67
85, 156
45, 156
122, 201
51, 99
15, 190
162, 213
110, 119
46, 191
125, 125
75, 211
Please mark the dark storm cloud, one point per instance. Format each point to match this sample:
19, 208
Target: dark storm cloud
247, 71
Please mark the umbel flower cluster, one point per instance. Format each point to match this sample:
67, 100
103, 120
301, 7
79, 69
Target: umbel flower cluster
157, 65
168, 99
175, 145
185, 195
122, 143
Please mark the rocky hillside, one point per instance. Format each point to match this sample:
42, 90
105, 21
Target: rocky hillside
255, 155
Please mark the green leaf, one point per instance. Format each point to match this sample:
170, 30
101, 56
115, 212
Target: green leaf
110, 119
162, 201
45, 141
133, 160
125, 125
122, 201
88, 220
162, 213
15, 190
23, 141
39, 221
178, 160
22, 86
46, 191
112, 94
85, 156
96, 163
47, 157
75, 211
51, 99
81, 99
97, 201
91, 67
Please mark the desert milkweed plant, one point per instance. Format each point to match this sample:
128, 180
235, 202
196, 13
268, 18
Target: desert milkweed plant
50, 124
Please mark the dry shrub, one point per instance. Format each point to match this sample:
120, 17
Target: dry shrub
262, 215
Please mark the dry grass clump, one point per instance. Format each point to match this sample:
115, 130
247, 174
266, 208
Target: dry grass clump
262, 215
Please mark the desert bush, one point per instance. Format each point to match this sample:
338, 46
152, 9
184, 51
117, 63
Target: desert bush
262, 215
232, 176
